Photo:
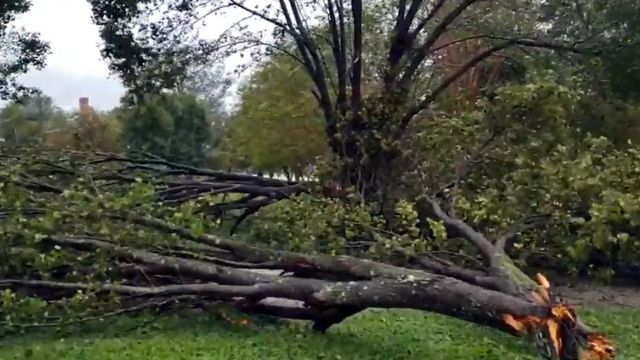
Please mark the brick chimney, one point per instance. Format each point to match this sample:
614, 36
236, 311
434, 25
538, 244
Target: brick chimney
85, 109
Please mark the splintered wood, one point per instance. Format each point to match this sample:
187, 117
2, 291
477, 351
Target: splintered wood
562, 319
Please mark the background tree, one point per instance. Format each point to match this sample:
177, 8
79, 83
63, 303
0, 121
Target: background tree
168, 125
89, 130
39, 108
149, 56
209, 84
26, 121
278, 126
16, 129
612, 28
364, 128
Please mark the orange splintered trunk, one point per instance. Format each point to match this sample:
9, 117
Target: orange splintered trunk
562, 319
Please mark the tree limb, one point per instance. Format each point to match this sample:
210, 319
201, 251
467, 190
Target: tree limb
461, 228
528, 223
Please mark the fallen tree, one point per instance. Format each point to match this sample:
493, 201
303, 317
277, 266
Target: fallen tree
115, 233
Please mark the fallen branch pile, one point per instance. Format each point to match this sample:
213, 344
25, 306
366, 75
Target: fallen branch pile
87, 220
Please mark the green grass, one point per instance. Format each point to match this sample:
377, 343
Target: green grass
373, 335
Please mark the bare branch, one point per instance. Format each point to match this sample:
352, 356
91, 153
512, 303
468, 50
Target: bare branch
438, 293
338, 45
401, 41
433, 37
473, 277
262, 16
187, 267
343, 266
424, 22
190, 170
444, 85
356, 70
461, 228
302, 290
528, 223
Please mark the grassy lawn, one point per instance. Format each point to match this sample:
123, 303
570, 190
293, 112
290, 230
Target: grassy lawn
374, 335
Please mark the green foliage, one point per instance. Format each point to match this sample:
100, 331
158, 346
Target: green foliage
371, 335
91, 131
38, 108
602, 181
545, 162
278, 124
80, 209
613, 32
36, 120
174, 127
16, 129
26, 121
210, 86
312, 224
617, 120
145, 45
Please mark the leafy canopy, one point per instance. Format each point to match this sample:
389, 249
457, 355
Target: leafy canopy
171, 126
278, 124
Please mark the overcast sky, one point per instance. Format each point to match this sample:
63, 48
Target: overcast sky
75, 68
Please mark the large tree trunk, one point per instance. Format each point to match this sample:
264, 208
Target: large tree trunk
368, 153
328, 289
